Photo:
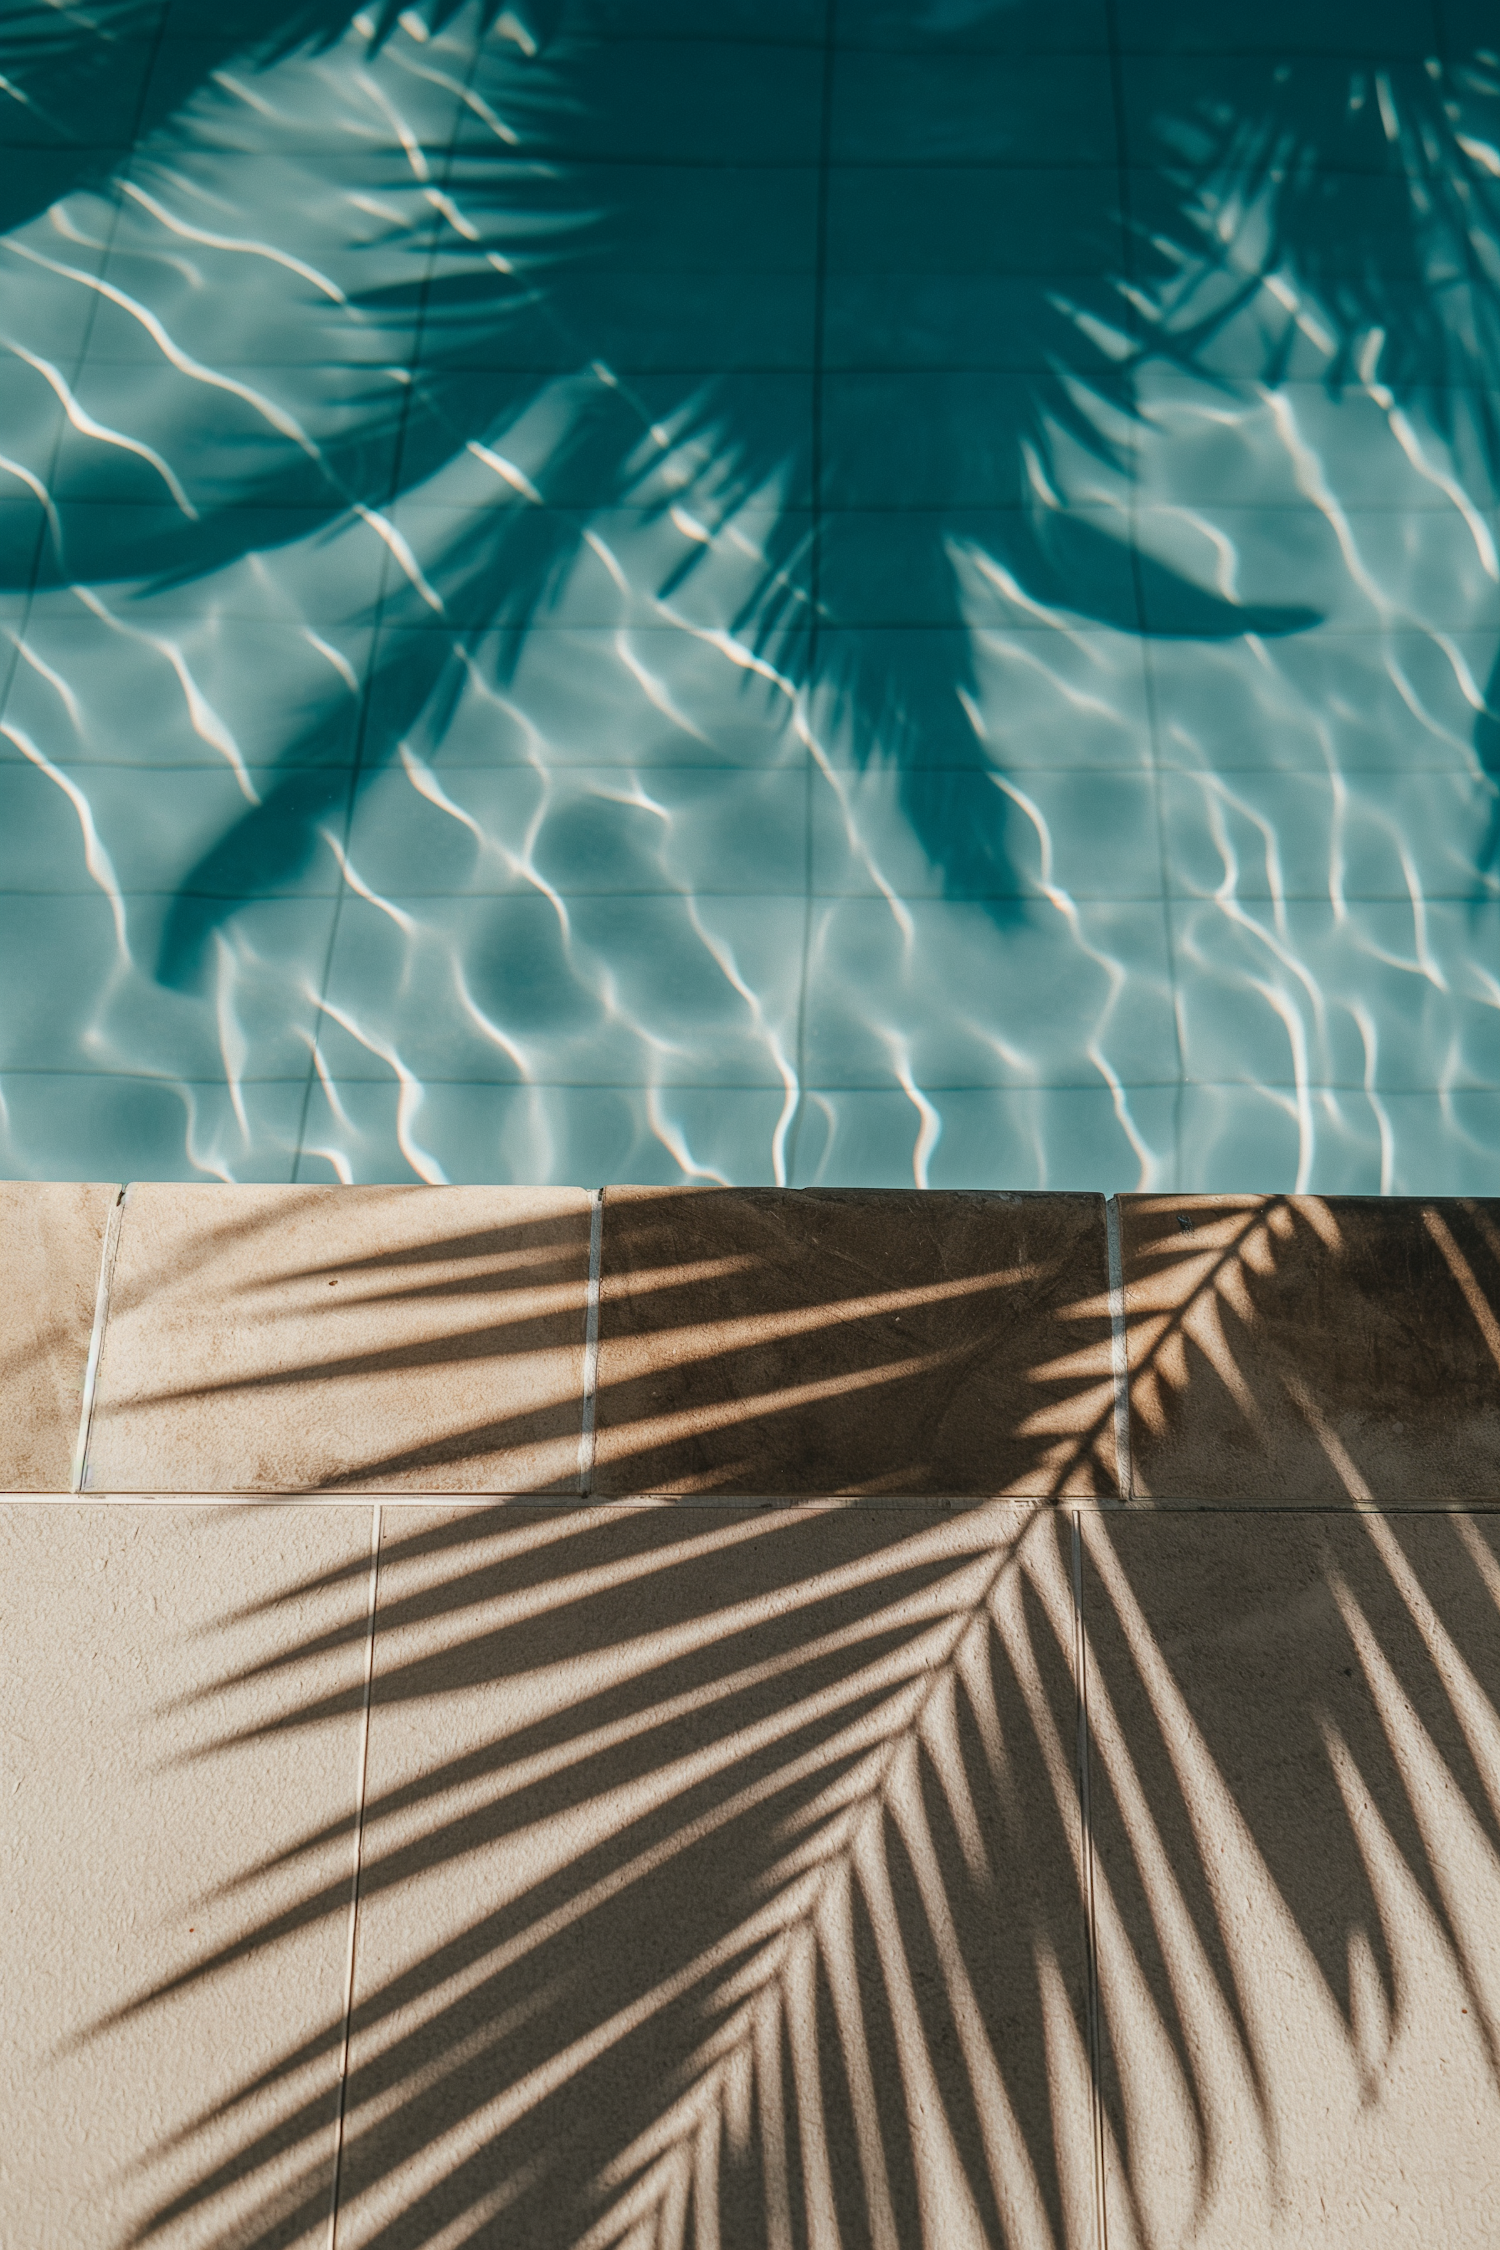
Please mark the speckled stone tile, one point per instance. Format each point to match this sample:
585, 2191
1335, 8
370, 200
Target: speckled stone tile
51, 1241
344, 1339
820, 1341
1295, 1810
179, 1766
1301, 1348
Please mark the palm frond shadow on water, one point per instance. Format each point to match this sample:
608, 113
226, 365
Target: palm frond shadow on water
723, 1879
1363, 195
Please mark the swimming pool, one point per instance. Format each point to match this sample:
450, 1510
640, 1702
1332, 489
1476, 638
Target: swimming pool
857, 594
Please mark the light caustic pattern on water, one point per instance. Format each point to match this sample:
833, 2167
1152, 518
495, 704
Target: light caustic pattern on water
767, 593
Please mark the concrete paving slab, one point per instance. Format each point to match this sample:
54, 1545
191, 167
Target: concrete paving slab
170, 1978
1295, 1810
381, 1339
811, 1341
720, 1881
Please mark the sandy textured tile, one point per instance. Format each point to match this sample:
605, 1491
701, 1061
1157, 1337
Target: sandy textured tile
358, 1339
719, 1882
1297, 1348
168, 1987
1295, 1786
51, 1240
820, 1341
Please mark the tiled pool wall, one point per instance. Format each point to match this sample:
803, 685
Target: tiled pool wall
850, 595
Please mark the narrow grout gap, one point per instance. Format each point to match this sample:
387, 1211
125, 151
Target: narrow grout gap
108, 1251
359, 1834
1119, 1356
1090, 1926
591, 1347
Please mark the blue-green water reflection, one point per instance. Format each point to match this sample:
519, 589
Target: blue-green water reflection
849, 594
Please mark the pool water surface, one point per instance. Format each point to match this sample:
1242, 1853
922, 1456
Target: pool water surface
853, 594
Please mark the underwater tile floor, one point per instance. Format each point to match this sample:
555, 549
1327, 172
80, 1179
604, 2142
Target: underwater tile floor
858, 594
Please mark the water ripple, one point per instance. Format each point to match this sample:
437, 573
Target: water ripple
547, 712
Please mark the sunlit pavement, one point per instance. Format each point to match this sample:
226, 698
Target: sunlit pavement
749, 1718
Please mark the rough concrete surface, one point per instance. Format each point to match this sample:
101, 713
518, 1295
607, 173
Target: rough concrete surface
343, 1339
51, 1240
817, 1850
784, 1342
150, 1784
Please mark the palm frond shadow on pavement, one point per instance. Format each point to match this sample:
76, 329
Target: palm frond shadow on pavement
724, 1881
1304, 1350
768, 1780
796, 1343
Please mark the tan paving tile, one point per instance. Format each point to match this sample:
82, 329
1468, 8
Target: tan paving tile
719, 1882
1293, 1348
51, 1239
151, 1777
1295, 1786
349, 1339
778, 1342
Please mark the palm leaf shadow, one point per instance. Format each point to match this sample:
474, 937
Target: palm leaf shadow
1365, 205
505, 566
824, 1835
1264, 1784
723, 1877
1248, 1315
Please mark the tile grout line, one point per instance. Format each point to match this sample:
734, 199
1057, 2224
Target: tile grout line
1127, 214
787, 1137
586, 1425
359, 1837
1119, 1357
356, 771
108, 1252
1090, 1928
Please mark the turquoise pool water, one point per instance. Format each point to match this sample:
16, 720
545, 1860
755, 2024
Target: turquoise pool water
751, 591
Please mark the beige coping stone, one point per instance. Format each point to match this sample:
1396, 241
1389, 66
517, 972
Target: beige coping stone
392, 1339
812, 1341
720, 1881
1295, 1808
1303, 1348
169, 1731
51, 1243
